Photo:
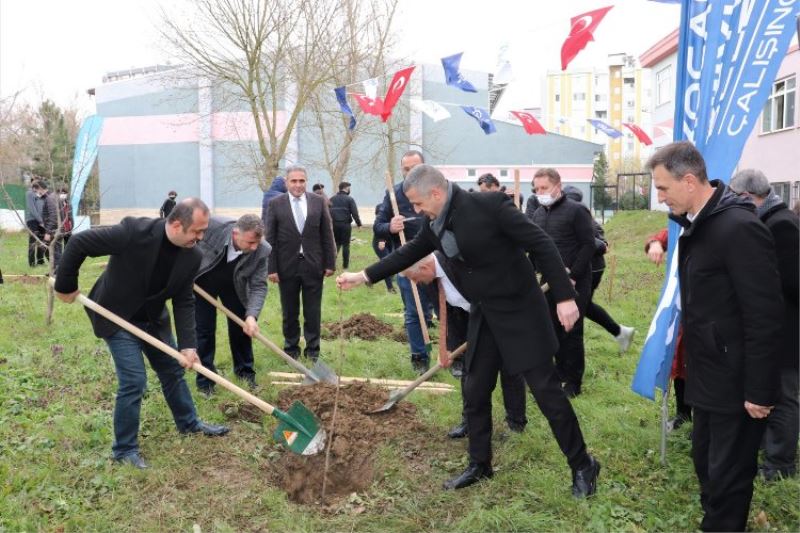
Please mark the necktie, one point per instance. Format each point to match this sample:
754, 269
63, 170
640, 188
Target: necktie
299, 218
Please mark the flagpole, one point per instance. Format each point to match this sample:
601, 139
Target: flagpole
664, 422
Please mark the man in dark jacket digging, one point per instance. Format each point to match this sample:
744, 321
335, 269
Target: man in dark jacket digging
151, 261
486, 239
234, 267
732, 316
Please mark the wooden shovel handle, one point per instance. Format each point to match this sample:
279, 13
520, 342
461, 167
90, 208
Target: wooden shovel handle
422, 324
297, 365
431, 371
169, 350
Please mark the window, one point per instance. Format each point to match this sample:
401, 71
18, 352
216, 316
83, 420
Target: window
601, 114
783, 190
630, 82
558, 98
600, 98
579, 97
779, 110
471, 172
664, 85
503, 172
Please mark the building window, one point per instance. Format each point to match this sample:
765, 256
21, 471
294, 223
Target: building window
471, 172
600, 98
579, 97
664, 85
558, 98
503, 172
600, 114
630, 82
779, 110
783, 189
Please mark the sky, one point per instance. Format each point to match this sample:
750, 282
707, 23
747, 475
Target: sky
58, 49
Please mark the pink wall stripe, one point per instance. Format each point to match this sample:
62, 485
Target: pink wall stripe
568, 173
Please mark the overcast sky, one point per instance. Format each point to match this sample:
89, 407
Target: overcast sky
58, 49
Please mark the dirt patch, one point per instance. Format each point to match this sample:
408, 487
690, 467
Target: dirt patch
355, 440
362, 325
242, 411
26, 279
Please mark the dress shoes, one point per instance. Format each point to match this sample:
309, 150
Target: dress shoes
250, 380
208, 429
459, 432
133, 459
420, 366
571, 389
207, 392
474, 473
584, 481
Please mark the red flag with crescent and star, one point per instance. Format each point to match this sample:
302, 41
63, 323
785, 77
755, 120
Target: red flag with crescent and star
580, 34
395, 90
529, 122
369, 105
639, 132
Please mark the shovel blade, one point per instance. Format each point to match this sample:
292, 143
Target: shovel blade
299, 430
394, 397
321, 372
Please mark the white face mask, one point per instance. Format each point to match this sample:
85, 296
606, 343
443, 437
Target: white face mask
545, 199
62, 196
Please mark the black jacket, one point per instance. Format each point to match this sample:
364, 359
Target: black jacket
732, 306
783, 225
385, 213
319, 250
133, 247
495, 275
569, 224
343, 209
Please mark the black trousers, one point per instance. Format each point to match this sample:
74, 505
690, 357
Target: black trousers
381, 254
513, 387
206, 319
36, 252
341, 235
546, 390
308, 285
725, 454
597, 314
571, 357
783, 426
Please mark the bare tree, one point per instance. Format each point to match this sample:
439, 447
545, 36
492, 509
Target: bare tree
270, 55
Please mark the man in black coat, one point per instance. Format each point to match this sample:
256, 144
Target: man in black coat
303, 253
234, 268
151, 261
569, 224
343, 211
783, 424
732, 314
486, 240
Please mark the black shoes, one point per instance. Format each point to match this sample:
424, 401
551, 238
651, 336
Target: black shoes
459, 432
419, 365
676, 422
584, 481
474, 473
457, 368
133, 459
208, 430
250, 380
571, 389
207, 391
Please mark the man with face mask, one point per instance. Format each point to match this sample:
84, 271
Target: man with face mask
234, 268
569, 224
168, 205
343, 210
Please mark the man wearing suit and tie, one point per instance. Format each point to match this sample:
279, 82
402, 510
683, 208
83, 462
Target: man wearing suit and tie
487, 239
303, 252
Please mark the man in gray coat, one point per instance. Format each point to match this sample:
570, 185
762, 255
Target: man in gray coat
234, 268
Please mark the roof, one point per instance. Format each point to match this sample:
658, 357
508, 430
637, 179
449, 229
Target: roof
663, 48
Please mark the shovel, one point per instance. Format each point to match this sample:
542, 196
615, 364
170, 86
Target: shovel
422, 324
319, 372
398, 395
298, 428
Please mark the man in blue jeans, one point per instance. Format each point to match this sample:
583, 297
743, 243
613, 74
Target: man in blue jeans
388, 225
150, 261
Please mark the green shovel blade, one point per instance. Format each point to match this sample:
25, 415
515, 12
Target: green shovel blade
299, 430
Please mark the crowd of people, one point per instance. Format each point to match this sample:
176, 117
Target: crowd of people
514, 285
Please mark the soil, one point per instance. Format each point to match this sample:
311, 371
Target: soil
25, 279
353, 441
242, 411
362, 325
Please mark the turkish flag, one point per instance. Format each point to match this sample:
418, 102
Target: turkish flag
580, 34
395, 90
368, 105
639, 132
529, 122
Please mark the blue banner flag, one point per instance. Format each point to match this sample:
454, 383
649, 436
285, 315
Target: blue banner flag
729, 52
341, 97
86, 146
482, 116
452, 74
605, 128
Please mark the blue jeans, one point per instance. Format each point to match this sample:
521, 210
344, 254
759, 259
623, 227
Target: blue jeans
126, 350
415, 339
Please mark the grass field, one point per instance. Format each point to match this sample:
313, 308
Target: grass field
55, 432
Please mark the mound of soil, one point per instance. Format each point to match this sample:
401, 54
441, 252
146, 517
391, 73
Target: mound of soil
362, 325
26, 279
353, 440
242, 411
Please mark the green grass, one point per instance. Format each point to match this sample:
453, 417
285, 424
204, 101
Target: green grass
55, 432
